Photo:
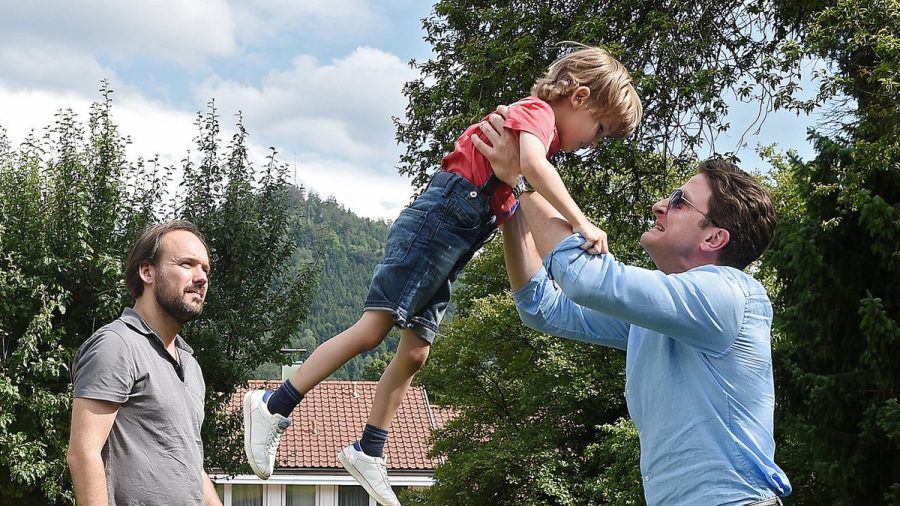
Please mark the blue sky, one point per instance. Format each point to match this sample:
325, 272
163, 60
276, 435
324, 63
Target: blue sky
317, 79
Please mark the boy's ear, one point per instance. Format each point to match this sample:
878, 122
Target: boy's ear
580, 95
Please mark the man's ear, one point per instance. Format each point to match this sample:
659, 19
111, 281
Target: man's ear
147, 272
716, 240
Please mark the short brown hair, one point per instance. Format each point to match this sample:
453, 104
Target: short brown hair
742, 206
612, 92
146, 249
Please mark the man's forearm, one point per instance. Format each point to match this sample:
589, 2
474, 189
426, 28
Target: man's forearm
522, 259
210, 497
89, 480
548, 227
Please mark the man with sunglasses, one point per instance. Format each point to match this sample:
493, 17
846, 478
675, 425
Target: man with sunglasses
696, 331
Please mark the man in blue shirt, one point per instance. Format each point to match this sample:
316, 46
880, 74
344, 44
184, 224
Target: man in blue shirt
696, 331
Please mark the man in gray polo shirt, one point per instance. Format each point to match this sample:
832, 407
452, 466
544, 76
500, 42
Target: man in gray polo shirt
139, 391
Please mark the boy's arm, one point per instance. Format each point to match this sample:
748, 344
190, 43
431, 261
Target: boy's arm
542, 175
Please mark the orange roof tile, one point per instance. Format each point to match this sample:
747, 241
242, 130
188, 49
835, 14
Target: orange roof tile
441, 415
333, 414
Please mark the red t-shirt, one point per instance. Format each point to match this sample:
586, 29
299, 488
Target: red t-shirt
531, 115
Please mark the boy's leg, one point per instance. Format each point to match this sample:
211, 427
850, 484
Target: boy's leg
266, 415
364, 459
409, 358
365, 334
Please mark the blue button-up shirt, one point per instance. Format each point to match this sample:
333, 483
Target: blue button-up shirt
698, 367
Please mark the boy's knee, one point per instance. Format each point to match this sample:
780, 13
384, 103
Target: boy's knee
371, 329
416, 357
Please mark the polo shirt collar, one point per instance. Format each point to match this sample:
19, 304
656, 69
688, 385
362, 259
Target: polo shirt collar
134, 320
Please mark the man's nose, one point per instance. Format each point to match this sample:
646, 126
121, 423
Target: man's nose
660, 207
200, 276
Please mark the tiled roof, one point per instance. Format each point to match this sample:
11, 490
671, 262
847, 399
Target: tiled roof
442, 415
333, 414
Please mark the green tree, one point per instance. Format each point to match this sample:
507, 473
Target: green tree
257, 297
71, 205
837, 270
64, 218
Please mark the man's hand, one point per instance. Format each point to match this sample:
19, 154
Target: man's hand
595, 238
503, 150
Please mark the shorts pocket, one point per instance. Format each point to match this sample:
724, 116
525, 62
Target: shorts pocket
404, 232
460, 215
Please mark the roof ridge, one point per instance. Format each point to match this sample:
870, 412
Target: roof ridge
428, 409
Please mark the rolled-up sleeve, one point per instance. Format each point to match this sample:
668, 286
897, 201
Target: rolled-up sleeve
545, 308
700, 307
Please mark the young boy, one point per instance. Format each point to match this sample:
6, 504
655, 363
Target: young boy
585, 95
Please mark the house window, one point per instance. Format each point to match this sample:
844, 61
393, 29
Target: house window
300, 495
220, 491
246, 495
352, 495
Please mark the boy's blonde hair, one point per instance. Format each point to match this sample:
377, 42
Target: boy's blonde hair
612, 91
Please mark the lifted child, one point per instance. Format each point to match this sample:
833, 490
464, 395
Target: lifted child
585, 95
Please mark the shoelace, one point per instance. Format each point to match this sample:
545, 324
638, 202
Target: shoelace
274, 437
382, 468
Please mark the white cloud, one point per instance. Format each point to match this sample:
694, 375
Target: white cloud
155, 129
48, 65
334, 116
265, 20
167, 30
376, 196
25, 111
341, 109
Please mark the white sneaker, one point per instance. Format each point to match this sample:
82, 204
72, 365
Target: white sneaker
262, 432
371, 473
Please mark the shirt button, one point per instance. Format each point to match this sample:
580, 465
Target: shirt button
473, 194
647, 477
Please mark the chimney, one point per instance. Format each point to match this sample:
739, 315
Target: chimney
288, 370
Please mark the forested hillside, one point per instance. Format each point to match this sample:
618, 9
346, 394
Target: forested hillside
346, 247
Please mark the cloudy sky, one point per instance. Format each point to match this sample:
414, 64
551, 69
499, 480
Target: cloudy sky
317, 79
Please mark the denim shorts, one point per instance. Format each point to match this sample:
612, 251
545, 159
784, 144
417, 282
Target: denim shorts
429, 243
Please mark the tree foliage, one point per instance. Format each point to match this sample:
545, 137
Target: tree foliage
836, 260
346, 249
71, 206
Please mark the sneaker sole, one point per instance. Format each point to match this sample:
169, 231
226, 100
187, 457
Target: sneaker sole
248, 408
359, 479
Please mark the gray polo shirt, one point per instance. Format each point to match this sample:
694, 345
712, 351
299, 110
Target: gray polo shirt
154, 454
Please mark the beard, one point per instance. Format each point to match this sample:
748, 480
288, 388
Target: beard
171, 301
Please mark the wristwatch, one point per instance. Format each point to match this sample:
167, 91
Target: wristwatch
522, 186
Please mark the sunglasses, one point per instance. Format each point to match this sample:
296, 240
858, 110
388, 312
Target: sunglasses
677, 197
